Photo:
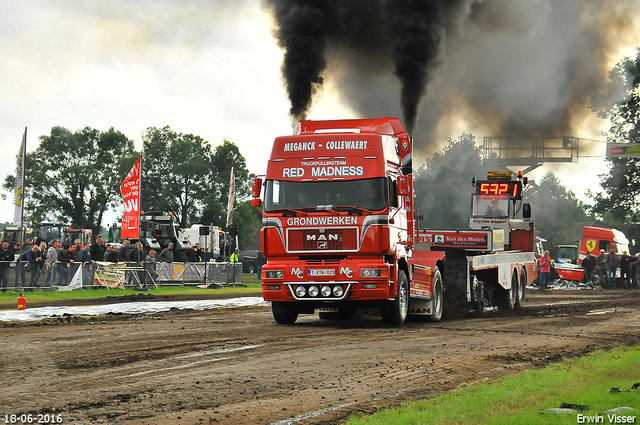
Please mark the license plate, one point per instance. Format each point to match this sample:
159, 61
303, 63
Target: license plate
322, 272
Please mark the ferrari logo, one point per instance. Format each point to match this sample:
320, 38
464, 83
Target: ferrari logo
591, 245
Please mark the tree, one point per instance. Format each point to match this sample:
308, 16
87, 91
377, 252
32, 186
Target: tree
75, 177
175, 173
182, 174
555, 210
227, 156
450, 169
620, 200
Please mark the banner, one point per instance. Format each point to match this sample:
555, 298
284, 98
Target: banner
232, 198
19, 188
623, 150
130, 189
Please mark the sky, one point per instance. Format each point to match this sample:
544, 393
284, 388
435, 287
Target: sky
213, 68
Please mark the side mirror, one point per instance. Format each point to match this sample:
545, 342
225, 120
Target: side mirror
256, 188
526, 210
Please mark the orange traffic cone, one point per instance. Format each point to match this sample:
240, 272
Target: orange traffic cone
22, 302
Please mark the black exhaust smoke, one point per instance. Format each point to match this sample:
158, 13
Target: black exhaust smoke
301, 34
408, 31
503, 67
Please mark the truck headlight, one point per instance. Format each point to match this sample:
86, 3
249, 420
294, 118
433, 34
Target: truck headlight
273, 274
325, 291
300, 291
313, 291
374, 273
338, 290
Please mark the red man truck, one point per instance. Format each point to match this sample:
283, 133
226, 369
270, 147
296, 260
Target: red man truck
339, 234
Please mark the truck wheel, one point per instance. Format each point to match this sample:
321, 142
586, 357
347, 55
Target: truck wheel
522, 285
394, 312
283, 312
438, 297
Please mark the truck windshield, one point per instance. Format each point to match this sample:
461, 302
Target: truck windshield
368, 194
50, 232
490, 206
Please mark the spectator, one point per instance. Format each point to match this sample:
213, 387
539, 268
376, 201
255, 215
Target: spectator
123, 251
261, 260
66, 258
625, 270
78, 251
166, 256
6, 257
87, 266
150, 264
97, 249
636, 264
234, 259
112, 254
34, 259
52, 267
137, 260
193, 256
545, 270
601, 263
107, 252
588, 264
612, 263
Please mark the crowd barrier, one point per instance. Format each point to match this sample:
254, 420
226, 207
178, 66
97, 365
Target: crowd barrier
64, 276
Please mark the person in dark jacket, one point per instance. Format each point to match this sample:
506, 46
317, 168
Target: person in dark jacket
6, 257
612, 262
625, 270
166, 256
601, 263
111, 254
97, 249
34, 260
123, 252
66, 259
589, 265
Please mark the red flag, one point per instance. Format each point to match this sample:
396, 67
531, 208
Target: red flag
130, 189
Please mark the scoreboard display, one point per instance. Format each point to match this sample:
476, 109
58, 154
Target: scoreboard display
513, 189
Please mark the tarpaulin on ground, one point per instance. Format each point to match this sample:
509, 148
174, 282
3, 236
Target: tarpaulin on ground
150, 307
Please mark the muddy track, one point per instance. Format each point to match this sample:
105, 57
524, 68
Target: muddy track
236, 366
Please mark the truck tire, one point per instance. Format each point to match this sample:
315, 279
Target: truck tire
251, 268
438, 297
395, 312
522, 286
284, 312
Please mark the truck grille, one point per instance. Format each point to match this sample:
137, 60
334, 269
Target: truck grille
306, 240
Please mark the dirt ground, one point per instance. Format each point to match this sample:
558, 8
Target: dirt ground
237, 366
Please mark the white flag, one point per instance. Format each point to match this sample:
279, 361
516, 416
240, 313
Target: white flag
19, 188
76, 282
232, 198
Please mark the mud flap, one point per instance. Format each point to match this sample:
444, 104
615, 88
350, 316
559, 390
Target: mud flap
420, 307
504, 275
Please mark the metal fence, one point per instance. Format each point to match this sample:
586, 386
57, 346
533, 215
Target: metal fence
21, 276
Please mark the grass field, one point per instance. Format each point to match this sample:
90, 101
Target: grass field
250, 282
519, 399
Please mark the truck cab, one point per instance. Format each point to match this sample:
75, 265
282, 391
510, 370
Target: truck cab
336, 228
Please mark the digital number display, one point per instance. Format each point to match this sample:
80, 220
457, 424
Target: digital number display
513, 189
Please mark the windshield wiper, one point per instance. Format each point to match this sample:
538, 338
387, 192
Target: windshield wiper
352, 208
287, 210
